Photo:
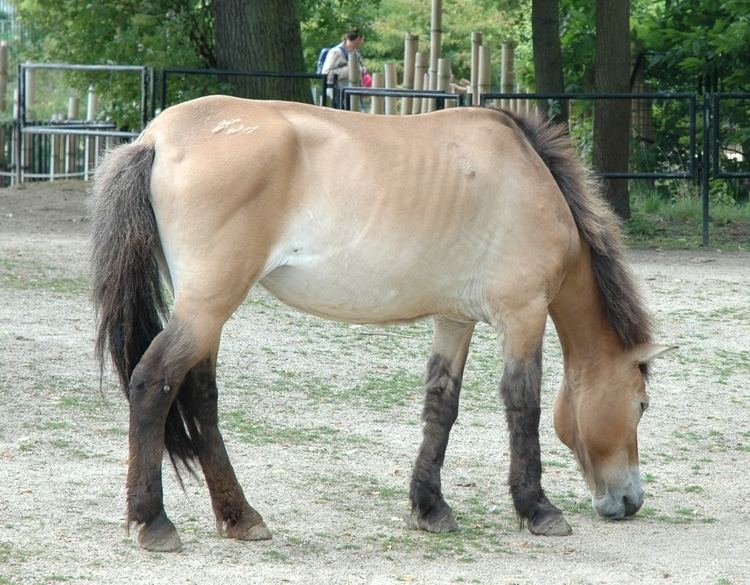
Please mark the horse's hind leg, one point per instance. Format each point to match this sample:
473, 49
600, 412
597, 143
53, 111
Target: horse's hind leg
154, 385
450, 347
235, 518
520, 388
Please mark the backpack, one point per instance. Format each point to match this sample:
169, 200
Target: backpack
322, 57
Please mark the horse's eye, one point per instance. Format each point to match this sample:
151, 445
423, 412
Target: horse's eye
644, 406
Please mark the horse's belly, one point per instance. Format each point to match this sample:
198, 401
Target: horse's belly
354, 296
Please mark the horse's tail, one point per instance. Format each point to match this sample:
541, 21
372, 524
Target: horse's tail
128, 297
597, 224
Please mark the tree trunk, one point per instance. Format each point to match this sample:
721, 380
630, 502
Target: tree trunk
612, 117
260, 36
548, 71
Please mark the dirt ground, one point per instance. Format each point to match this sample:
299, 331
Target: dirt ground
322, 424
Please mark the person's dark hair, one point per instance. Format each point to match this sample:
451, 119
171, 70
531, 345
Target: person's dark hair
351, 34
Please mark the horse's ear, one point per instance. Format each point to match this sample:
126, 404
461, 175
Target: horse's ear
645, 353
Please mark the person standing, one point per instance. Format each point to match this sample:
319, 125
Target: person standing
337, 59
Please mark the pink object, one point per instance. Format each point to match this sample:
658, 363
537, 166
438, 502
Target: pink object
367, 80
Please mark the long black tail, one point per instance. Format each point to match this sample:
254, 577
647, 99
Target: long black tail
127, 291
597, 224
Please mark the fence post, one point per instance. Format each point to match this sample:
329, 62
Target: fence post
506, 73
476, 42
420, 66
377, 101
444, 79
411, 43
3, 73
355, 80
391, 82
29, 94
483, 79
89, 153
436, 19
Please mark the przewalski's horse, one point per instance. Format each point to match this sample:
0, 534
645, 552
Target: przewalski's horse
464, 215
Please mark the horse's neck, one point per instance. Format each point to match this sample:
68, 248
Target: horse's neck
577, 311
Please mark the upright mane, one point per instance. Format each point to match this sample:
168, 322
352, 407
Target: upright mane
598, 226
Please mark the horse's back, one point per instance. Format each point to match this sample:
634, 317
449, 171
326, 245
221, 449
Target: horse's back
356, 217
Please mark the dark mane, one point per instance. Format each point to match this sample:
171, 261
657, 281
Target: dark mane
598, 226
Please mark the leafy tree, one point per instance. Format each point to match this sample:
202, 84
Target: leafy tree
702, 45
157, 33
697, 40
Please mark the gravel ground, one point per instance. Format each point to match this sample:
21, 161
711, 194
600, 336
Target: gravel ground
322, 424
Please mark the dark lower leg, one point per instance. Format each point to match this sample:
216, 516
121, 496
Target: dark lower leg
148, 410
235, 518
440, 411
154, 385
520, 388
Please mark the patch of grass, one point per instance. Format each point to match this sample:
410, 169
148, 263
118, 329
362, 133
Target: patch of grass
676, 222
681, 515
6, 550
384, 392
258, 433
276, 556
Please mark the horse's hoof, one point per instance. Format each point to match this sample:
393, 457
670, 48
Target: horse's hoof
440, 519
241, 530
549, 523
160, 535
256, 532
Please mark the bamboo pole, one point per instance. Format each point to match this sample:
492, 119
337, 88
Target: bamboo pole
378, 82
91, 104
436, 19
391, 82
89, 156
420, 67
444, 78
411, 44
30, 90
355, 80
73, 107
476, 42
506, 73
484, 82
3, 73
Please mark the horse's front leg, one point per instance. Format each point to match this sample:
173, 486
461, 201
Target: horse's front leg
520, 388
450, 347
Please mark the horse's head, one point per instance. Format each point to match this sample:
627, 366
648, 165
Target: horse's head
596, 415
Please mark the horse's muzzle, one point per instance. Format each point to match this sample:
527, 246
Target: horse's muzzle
619, 503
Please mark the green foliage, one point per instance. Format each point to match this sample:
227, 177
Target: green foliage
156, 33
694, 39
